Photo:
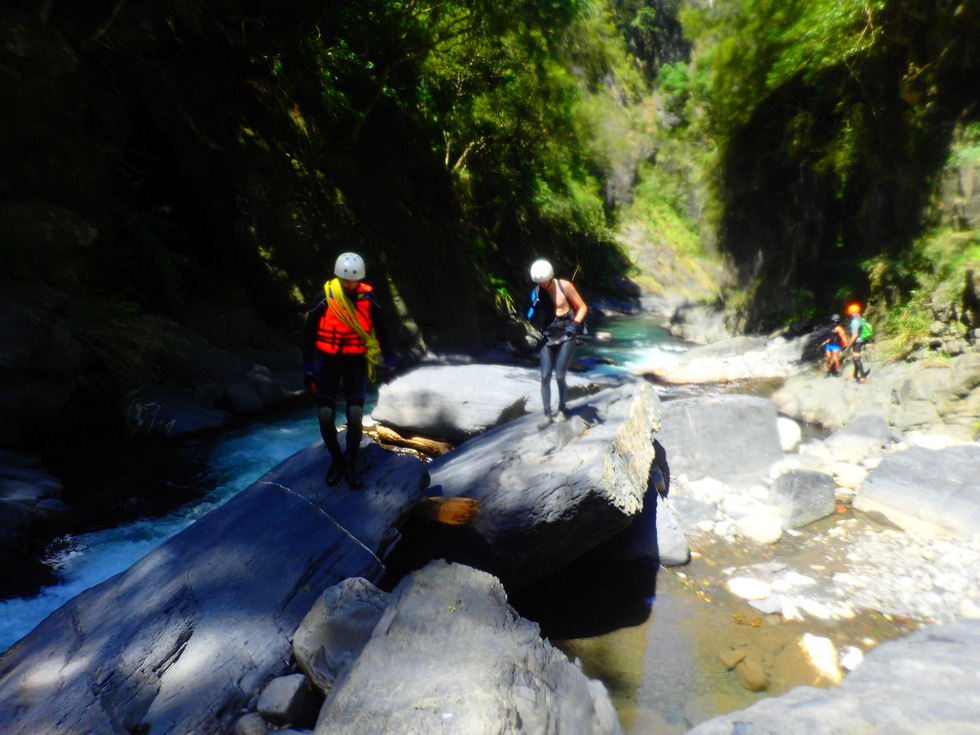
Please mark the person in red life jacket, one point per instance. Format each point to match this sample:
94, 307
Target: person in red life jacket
562, 311
343, 340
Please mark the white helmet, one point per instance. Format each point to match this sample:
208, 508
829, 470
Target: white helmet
541, 271
349, 266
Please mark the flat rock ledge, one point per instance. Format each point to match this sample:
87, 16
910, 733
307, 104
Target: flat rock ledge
458, 402
179, 641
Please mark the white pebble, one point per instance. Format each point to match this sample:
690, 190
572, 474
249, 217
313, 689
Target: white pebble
748, 588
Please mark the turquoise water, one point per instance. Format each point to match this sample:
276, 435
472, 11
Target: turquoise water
630, 343
83, 561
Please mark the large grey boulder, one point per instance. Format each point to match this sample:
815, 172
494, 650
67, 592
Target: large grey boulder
180, 641
732, 438
925, 683
336, 628
288, 700
160, 411
929, 491
450, 655
458, 402
865, 436
803, 496
549, 496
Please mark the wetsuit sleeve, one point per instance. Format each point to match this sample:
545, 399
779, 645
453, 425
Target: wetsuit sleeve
310, 330
382, 332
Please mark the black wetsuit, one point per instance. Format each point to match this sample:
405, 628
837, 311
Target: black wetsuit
332, 371
557, 350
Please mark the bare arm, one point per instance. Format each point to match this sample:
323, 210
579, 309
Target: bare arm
577, 303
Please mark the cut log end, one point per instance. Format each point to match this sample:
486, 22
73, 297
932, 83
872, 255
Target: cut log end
451, 511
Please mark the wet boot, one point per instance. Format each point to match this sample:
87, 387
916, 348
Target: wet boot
859, 373
350, 474
336, 472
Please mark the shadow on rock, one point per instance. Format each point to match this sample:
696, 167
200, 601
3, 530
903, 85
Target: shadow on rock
424, 539
590, 598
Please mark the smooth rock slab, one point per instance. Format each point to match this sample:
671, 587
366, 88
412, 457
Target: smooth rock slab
734, 438
180, 641
927, 490
458, 402
450, 655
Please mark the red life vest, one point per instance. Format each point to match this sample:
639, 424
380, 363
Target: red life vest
335, 337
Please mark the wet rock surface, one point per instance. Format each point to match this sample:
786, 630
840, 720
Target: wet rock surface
178, 642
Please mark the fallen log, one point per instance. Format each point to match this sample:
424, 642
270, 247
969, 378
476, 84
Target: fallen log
421, 444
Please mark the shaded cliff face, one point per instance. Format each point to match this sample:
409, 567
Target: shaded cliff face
839, 164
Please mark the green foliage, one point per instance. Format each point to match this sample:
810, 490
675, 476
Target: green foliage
909, 285
203, 141
759, 46
503, 299
906, 327
831, 122
967, 150
660, 200
684, 89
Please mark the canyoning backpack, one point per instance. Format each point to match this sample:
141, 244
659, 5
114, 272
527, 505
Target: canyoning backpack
866, 330
537, 293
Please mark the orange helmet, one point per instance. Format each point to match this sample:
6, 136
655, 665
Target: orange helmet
854, 309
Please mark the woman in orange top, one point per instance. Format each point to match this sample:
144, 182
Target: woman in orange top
833, 346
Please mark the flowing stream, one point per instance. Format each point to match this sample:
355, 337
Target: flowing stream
659, 662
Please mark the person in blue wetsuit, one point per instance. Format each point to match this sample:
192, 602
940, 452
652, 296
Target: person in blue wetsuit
562, 311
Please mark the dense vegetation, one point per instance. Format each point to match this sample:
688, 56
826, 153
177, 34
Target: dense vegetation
230, 150
163, 159
836, 121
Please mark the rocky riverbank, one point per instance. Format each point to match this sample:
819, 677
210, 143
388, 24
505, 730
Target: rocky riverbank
897, 487
888, 520
810, 559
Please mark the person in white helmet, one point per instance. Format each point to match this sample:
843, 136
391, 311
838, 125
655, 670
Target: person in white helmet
343, 340
562, 311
